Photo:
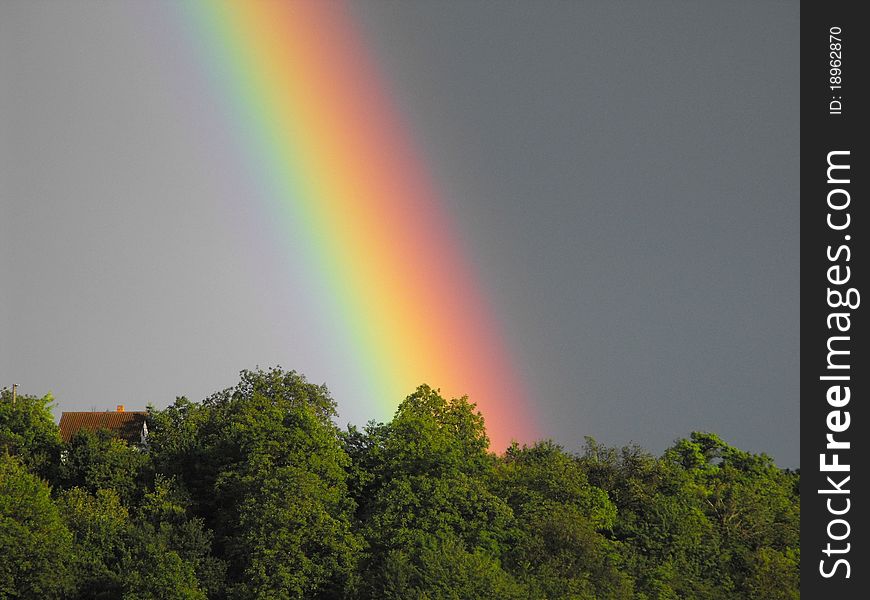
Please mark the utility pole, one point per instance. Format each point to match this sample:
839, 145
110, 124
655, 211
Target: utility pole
14, 393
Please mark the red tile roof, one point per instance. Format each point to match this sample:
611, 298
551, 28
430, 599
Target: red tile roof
126, 424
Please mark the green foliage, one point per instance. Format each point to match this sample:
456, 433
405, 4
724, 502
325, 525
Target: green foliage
154, 571
434, 436
34, 544
705, 520
293, 521
426, 503
27, 430
560, 551
163, 515
265, 469
752, 505
432, 477
254, 493
543, 475
96, 460
116, 556
773, 574
100, 525
442, 569
561, 555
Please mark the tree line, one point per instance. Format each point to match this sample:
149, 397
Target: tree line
256, 493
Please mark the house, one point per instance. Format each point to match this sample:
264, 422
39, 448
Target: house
127, 425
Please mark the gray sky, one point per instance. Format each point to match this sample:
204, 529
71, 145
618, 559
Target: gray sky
625, 173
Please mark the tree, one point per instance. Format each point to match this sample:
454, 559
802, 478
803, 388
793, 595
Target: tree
542, 474
753, 506
97, 460
774, 575
294, 537
667, 542
254, 493
560, 555
560, 552
429, 473
27, 430
99, 524
117, 557
154, 571
34, 543
441, 568
265, 469
705, 520
164, 515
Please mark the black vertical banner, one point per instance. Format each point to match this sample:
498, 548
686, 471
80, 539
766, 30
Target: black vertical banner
835, 375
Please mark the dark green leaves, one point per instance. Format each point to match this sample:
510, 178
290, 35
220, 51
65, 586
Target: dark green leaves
254, 493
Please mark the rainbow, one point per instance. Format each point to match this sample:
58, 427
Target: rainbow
313, 113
